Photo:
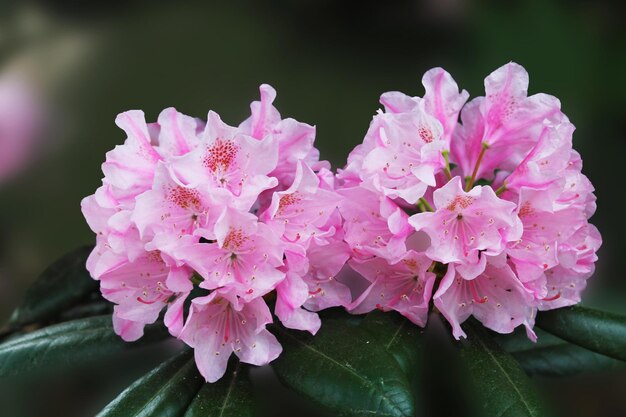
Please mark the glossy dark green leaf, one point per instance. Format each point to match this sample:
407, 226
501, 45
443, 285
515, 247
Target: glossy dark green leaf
596, 330
499, 384
399, 336
231, 396
345, 368
551, 356
166, 391
66, 344
61, 285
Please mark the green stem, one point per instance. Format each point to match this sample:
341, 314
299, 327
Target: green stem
447, 168
425, 204
196, 279
470, 182
501, 189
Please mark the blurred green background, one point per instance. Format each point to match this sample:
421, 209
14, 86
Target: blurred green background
329, 61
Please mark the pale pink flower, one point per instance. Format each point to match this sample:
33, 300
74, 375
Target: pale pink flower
244, 256
304, 210
468, 226
406, 155
545, 228
404, 286
178, 134
496, 298
577, 257
139, 290
129, 168
502, 126
229, 163
221, 324
511, 206
373, 224
443, 100
172, 208
325, 262
295, 139
291, 294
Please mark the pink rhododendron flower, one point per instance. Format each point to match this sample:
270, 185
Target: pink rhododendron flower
467, 227
485, 217
405, 286
241, 212
221, 324
497, 202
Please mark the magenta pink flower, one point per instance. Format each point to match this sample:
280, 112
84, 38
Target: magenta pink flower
466, 227
498, 201
405, 286
221, 324
245, 256
496, 298
373, 224
232, 210
304, 210
489, 213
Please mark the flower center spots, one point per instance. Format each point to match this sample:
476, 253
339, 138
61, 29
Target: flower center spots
220, 155
525, 210
410, 263
460, 201
184, 198
287, 200
155, 256
426, 134
234, 239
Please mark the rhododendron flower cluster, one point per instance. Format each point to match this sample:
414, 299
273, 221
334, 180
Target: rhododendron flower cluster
479, 207
489, 212
206, 221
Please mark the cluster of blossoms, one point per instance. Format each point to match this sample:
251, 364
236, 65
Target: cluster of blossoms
491, 214
487, 217
209, 221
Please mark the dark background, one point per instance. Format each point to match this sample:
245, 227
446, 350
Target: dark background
329, 61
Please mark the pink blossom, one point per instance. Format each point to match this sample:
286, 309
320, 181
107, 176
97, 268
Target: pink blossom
373, 224
496, 298
295, 139
325, 263
443, 100
501, 202
468, 226
504, 125
404, 286
303, 211
245, 256
220, 324
231, 164
173, 208
139, 288
406, 155
577, 257
129, 168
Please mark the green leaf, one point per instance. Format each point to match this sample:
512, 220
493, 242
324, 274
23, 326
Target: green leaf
61, 285
499, 384
596, 330
231, 396
399, 336
66, 344
345, 368
166, 391
552, 356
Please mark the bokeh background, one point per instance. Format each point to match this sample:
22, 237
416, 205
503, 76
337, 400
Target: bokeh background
67, 68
